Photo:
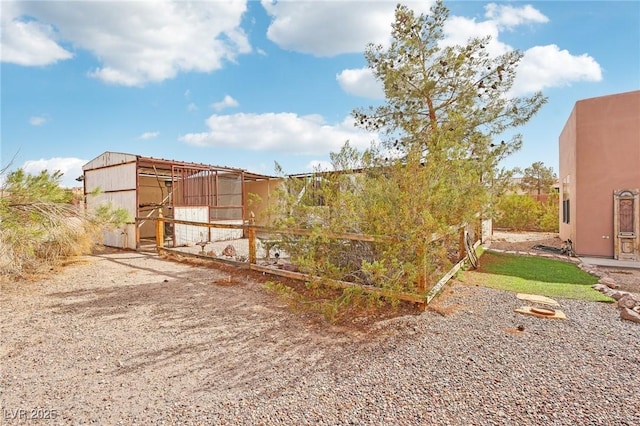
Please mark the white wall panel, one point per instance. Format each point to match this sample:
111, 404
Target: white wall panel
116, 178
122, 237
188, 233
109, 159
223, 234
125, 200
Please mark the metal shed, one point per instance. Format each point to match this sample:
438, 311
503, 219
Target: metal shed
145, 186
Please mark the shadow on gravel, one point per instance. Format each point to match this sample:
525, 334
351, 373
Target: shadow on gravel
122, 261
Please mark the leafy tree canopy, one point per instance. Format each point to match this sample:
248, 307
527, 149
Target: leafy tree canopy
538, 178
438, 163
444, 99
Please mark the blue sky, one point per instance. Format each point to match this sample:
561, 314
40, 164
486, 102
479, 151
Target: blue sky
246, 84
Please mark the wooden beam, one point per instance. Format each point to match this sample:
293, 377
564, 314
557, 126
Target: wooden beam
178, 253
409, 297
445, 279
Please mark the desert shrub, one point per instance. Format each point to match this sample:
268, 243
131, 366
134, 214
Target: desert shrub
40, 225
525, 213
517, 212
548, 220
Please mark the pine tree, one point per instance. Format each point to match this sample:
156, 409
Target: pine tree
438, 164
538, 178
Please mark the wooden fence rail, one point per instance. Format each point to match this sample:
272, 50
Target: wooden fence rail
251, 231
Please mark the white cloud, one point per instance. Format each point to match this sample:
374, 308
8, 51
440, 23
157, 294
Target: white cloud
548, 66
71, 167
149, 135
360, 82
458, 30
192, 107
38, 120
328, 28
508, 16
140, 41
319, 165
27, 43
541, 67
227, 102
282, 132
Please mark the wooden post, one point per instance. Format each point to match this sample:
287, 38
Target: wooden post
252, 238
137, 231
462, 251
421, 285
160, 230
422, 282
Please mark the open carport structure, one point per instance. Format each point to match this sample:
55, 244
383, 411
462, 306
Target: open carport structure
147, 186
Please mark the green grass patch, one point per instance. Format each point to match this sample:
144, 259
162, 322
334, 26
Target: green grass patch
535, 275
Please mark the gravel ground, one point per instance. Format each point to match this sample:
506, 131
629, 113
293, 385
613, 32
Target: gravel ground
129, 338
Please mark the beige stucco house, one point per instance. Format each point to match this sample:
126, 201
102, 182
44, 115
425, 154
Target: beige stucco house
600, 177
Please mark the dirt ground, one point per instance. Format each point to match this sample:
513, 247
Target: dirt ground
523, 241
92, 306
124, 337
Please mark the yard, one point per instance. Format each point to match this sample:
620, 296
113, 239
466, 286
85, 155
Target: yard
129, 338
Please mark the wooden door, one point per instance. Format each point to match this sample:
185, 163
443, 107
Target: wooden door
626, 224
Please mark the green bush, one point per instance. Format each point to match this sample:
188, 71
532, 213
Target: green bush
525, 213
549, 215
517, 212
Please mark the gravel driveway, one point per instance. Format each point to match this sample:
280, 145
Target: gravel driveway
129, 338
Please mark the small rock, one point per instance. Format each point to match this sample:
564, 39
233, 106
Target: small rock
609, 282
618, 294
599, 287
229, 251
627, 301
288, 267
630, 315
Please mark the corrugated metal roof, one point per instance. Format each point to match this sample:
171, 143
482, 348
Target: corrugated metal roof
108, 159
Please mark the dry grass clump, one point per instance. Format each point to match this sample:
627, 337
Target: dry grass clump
42, 224
41, 235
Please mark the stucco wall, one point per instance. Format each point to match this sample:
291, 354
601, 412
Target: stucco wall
607, 158
567, 177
